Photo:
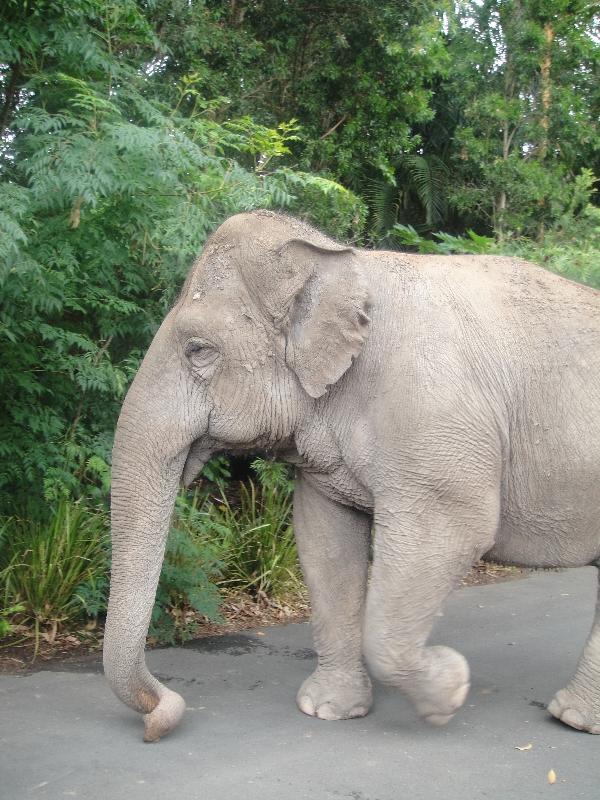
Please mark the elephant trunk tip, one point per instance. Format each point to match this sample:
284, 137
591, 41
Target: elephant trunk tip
165, 716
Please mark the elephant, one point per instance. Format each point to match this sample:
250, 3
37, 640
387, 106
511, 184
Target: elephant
437, 408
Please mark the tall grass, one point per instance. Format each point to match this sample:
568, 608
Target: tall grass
42, 565
252, 536
55, 574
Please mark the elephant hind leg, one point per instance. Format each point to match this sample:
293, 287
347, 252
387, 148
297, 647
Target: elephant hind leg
422, 549
578, 704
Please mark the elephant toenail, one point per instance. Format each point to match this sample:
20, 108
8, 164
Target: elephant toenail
306, 705
327, 711
572, 717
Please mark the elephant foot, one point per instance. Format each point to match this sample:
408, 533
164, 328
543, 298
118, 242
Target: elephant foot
442, 688
165, 716
572, 710
335, 695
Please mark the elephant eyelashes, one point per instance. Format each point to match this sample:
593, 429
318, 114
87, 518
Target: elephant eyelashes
202, 357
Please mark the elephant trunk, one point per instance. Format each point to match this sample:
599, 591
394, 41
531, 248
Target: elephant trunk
148, 461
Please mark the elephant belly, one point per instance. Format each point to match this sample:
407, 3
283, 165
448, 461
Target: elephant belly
550, 510
341, 486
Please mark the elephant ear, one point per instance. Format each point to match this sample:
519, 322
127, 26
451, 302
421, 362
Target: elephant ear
328, 320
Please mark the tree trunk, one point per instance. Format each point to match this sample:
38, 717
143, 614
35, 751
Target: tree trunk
546, 89
11, 97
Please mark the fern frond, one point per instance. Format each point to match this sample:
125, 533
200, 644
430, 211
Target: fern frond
427, 177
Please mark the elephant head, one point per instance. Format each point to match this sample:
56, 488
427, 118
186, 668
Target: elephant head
271, 314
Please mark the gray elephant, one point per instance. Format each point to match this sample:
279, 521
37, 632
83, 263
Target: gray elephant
449, 405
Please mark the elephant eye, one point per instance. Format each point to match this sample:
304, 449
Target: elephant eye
193, 347
202, 357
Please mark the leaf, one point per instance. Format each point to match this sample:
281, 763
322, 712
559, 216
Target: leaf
551, 776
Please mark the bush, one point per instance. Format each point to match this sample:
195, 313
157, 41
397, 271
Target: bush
6, 619
442, 243
250, 535
186, 587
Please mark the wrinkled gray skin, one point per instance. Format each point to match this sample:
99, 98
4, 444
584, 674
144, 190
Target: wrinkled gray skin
451, 402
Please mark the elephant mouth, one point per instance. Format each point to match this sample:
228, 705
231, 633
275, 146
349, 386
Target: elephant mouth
197, 457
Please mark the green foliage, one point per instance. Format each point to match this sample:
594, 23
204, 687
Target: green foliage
518, 111
427, 176
216, 469
107, 195
333, 208
56, 574
129, 131
217, 543
414, 190
407, 236
7, 612
92, 594
42, 565
354, 73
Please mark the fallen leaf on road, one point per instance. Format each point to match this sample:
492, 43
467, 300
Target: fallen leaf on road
552, 776
525, 747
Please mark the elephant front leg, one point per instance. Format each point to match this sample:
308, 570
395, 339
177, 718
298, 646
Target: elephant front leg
578, 704
422, 548
333, 545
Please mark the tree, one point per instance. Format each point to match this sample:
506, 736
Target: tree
524, 85
354, 73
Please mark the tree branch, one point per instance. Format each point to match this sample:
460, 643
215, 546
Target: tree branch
333, 127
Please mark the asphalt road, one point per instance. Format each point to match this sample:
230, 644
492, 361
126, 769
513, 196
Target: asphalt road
63, 734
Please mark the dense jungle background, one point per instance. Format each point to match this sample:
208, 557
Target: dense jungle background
130, 130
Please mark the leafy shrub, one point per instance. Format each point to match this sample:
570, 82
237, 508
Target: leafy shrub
92, 594
327, 204
187, 583
216, 469
186, 586
55, 574
217, 543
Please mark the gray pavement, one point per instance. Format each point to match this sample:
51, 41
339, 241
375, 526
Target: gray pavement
63, 734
